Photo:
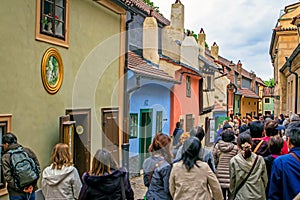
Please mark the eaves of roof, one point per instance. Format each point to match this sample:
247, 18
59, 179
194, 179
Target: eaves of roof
208, 63
168, 59
148, 70
291, 58
140, 7
248, 93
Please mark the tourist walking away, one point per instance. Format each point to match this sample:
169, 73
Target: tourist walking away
61, 180
275, 146
224, 150
248, 173
105, 181
183, 137
20, 169
205, 154
157, 168
191, 178
285, 173
259, 146
178, 131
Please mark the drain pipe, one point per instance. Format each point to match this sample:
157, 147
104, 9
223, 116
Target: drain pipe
125, 137
296, 88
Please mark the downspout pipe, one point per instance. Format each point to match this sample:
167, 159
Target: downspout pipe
296, 88
125, 137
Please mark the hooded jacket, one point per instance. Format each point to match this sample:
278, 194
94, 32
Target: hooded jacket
223, 152
61, 184
107, 186
255, 186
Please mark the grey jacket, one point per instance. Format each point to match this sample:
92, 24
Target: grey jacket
61, 184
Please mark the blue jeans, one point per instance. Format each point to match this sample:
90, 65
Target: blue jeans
25, 196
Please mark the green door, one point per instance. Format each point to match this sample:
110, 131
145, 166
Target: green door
145, 136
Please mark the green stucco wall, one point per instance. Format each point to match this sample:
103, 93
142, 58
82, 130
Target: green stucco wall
91, 70
268, 106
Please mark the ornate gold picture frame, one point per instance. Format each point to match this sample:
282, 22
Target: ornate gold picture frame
52, 70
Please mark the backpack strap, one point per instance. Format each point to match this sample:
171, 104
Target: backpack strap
257, 146
295, 156
152, 172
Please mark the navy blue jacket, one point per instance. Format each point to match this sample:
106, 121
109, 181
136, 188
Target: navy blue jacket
285, 177
106, 187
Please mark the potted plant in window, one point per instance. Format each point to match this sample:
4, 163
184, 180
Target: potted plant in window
47, 23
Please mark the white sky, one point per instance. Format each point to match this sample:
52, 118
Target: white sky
241, 28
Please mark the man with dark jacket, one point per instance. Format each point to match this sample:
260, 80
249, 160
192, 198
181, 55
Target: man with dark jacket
9, 142
285, 174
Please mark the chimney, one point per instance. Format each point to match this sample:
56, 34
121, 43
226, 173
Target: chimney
215, 51
190, 51
177, 20
253, 81
201, 42
232, 72
239, 79
150, 39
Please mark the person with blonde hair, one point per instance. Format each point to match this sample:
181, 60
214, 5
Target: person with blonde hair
61, 179
105, 180
183, 137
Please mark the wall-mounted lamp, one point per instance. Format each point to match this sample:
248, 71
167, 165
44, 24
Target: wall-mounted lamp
277, 97
298, 29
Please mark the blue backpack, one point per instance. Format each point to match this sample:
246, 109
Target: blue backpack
25, 172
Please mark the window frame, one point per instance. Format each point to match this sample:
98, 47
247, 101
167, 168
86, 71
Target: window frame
5, 120
159, 120
189, 122
188, 86
133, 125
268, 100
47, 38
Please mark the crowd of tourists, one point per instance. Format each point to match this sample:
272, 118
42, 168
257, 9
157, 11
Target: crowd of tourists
252, 158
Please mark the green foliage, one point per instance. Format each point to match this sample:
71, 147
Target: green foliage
270, 82
151, 4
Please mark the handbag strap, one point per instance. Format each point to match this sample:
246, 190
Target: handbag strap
245, 179
123, 189
257, 147
295, 156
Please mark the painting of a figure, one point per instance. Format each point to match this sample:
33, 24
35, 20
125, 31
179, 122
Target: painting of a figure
52, 70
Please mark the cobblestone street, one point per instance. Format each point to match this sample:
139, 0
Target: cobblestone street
138, 187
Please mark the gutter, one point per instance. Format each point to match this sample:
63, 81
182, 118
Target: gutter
296, 92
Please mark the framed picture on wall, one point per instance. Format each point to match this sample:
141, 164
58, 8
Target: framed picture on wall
52, 70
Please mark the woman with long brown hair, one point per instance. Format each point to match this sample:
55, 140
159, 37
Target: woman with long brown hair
157, 168
105, 180
61, 179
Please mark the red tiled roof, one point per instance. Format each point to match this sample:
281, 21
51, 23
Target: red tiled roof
247, 93
141, 67
146, 8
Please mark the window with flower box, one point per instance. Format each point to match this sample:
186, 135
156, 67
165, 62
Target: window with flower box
52, 21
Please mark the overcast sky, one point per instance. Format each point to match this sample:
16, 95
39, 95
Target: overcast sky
241, 28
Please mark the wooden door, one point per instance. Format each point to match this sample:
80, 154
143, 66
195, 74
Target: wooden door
145, 136
110, 128
82, 135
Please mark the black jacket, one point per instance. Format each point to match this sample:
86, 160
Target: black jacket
106, 187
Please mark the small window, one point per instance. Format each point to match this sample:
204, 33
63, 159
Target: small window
267, 100
248, 103
254, 103
188, 86
209, 83
133, 125
189, 122
159, 115
52, 21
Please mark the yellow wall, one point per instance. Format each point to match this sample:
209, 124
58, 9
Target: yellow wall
91, 72
249, 105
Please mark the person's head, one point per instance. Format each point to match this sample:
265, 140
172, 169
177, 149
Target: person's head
161, 144
244, 142
184, 136
61, 156
228, 135
293, 134
227, 126
294, 118
198, 132
190, 152
275, 145
177, 124
102, 163
243, 128
256, 129
271, 128
8, 139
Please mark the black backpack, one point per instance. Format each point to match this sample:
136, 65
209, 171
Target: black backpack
25, 172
